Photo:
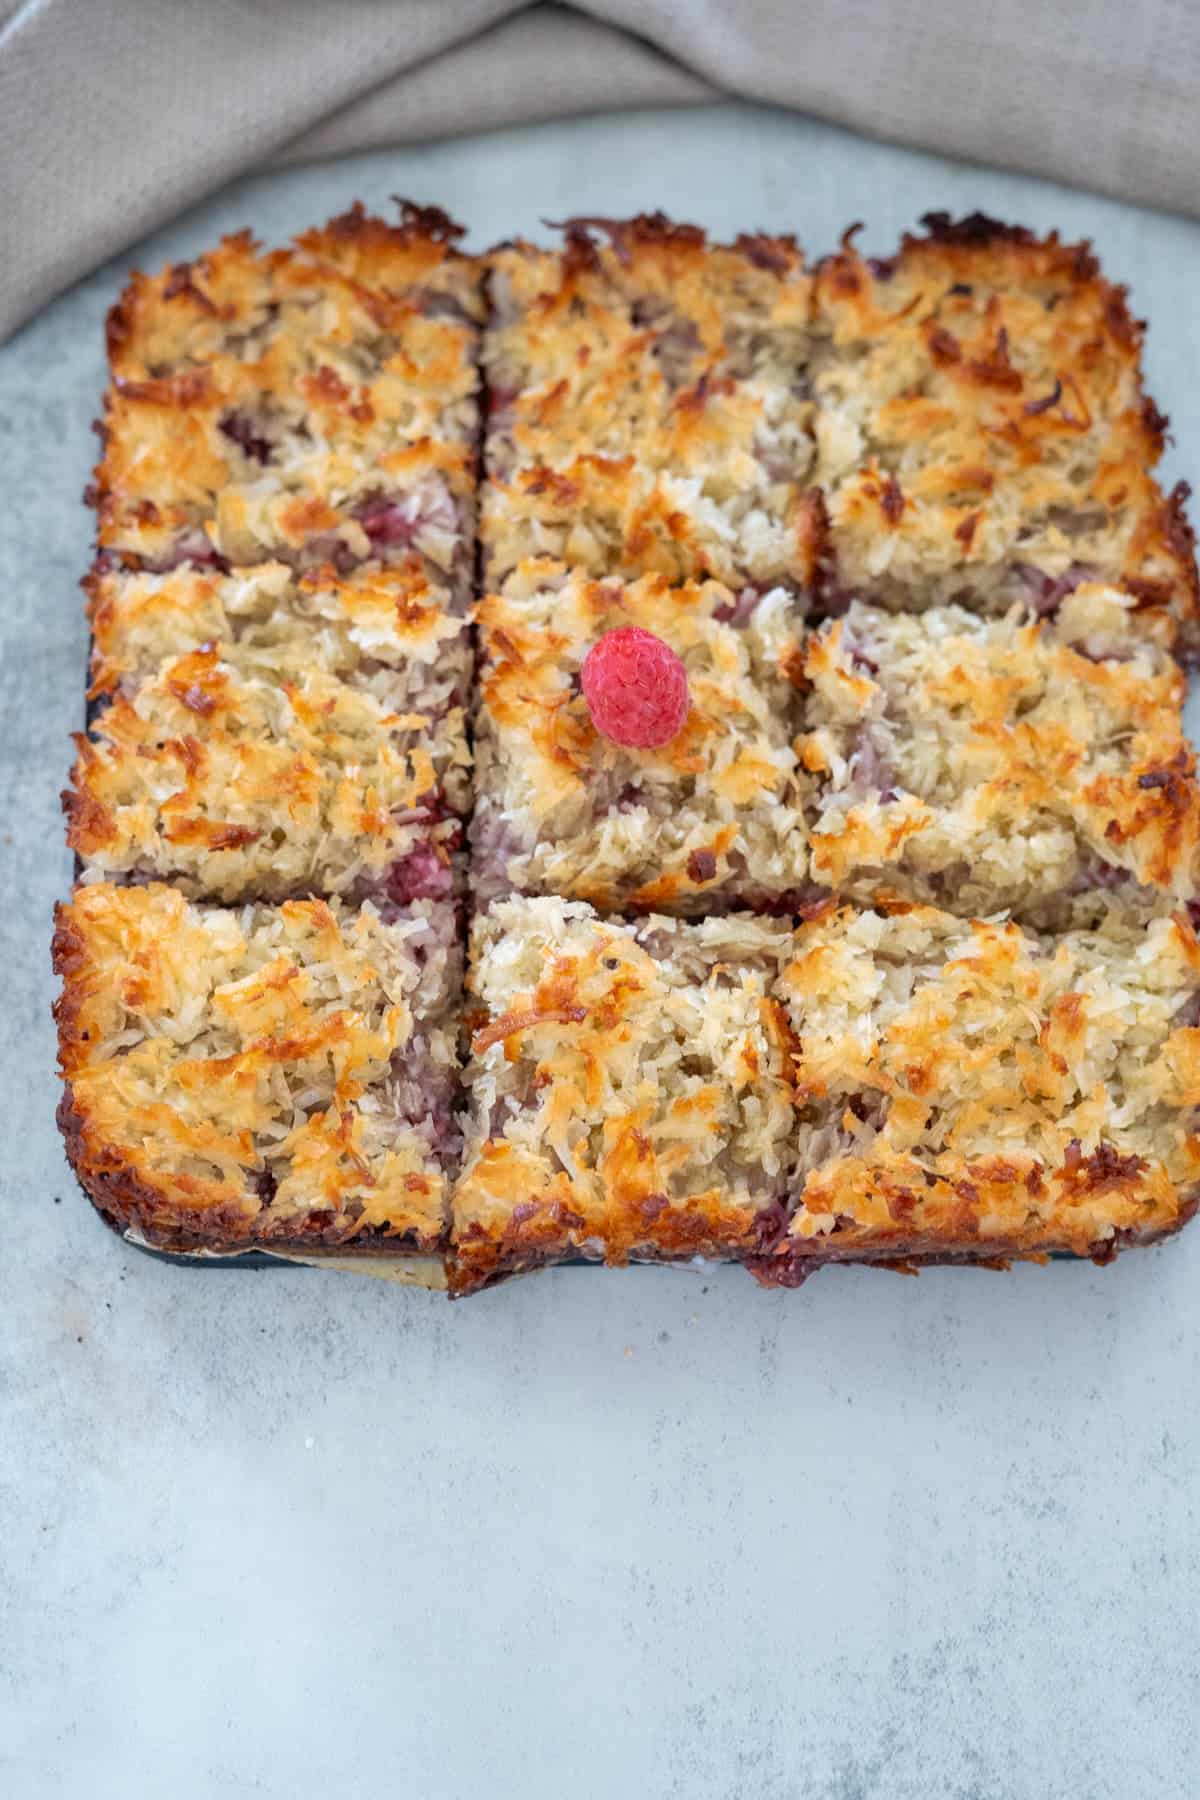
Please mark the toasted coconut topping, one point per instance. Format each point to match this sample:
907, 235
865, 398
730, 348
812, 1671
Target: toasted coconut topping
273, 1075
375, 617
967, 1087
1011, 763
709, 819
366, 278
628, 1089
246, 769
982, 433
173, 488
649, 408
313, 404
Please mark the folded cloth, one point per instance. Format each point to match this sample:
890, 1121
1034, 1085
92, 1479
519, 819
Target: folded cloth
115, 114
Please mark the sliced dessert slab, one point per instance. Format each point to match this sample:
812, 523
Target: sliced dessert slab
982, 764
649, 408
711, 819
982, 432
969, 1091
278, 1076
269, 735
628, 1089
312, 404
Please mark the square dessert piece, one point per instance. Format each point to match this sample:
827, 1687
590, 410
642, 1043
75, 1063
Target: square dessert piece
315, 404
968, 1091
278, 1076
268, 735
649, 408
377, 617
981, 764
982, 432
711, 819
628, 1089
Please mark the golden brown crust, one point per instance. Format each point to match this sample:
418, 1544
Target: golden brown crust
982, 430
648, 412
628, 1091
990, 763
350, 623
135, 1211
239, 779
173, 486
312, 403
198, 311
965, 1088
268, 734
271, 1076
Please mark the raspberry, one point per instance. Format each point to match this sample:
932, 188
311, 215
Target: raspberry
636, 688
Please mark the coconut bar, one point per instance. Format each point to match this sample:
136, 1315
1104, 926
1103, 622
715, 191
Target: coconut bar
266, 734
648, 406
711, 819
980, 764
969, 1091
275, 1076
982, 432
628, 1089
315, 404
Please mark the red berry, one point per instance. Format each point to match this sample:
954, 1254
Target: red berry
636, 688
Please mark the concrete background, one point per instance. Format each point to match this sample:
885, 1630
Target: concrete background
646, 1534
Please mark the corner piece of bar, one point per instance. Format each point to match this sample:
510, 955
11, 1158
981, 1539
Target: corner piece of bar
281, 1077
313, 404
709, 821
649, 408
628, 1090
979, 764
969, 1091
983, 436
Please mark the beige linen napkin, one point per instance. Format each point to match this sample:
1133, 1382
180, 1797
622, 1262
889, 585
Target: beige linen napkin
115, 114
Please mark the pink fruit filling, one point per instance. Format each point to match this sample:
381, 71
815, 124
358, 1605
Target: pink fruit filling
495, 843
244, 432
191, 546
1046, 593
420, 875
389, 520
424, 1097
740, 612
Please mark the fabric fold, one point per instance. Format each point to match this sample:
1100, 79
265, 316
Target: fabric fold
117, 114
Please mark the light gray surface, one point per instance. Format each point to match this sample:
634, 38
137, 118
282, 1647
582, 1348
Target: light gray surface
638, 1535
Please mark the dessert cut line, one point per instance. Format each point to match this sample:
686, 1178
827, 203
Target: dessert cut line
634, 750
